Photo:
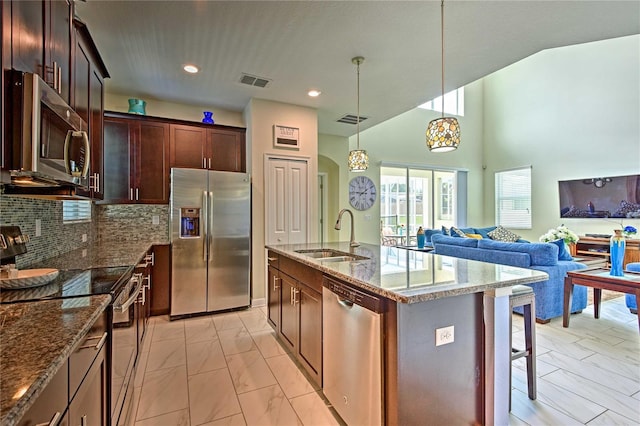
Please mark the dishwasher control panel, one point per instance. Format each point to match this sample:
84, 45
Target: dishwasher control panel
353, 295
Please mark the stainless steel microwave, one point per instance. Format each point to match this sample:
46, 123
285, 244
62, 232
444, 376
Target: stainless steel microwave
48, 140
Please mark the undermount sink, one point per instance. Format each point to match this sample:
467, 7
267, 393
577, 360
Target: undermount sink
330, 255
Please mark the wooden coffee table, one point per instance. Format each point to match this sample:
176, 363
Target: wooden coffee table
598, 279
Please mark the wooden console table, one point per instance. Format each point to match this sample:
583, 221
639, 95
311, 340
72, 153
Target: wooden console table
592, 247
598, 279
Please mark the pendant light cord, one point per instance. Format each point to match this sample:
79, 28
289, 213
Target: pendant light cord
442, 50
358, 107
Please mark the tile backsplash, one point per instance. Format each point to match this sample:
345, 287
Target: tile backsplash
125, 222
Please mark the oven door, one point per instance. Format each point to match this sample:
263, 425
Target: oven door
124, 349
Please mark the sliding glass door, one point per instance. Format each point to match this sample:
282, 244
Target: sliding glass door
411, 197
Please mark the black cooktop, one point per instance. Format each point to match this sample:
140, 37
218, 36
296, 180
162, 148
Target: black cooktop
75, 283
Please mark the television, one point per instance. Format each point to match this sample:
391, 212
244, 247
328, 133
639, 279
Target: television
600, 197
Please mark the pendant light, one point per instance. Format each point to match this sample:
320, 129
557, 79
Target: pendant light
358, 158
443, 134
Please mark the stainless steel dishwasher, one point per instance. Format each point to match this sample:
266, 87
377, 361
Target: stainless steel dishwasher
352, 353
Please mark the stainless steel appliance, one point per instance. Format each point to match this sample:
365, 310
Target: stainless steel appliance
210, 227
352, 353
48, 141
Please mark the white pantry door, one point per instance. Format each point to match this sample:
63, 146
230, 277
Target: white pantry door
286, 195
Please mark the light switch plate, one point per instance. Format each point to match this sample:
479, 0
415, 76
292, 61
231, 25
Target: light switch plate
38, 227
84, 238
155, 219
444, 335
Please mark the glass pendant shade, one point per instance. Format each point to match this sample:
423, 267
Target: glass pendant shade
443, 134
358, 160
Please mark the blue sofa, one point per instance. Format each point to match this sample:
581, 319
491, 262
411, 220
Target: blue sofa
539, 256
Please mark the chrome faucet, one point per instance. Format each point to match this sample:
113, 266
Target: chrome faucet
353, 242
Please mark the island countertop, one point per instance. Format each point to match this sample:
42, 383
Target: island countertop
408, 276
36, 339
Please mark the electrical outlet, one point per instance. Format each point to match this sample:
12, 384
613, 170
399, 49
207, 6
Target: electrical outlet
84, 252
38, 227
84, 238
155, 219
444, 335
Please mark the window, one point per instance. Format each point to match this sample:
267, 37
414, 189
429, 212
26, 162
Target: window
74, 211
414, 197
513, 198
453, 103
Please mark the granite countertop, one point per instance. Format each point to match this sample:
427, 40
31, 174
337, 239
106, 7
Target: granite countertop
36, 338
103, 253
409, 276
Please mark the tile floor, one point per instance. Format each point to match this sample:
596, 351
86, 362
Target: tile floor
228, 369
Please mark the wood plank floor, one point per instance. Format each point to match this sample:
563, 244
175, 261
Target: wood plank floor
228, 369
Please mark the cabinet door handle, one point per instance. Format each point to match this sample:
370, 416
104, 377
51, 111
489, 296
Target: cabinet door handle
296, 292
98, 345
272, 259
83, 421
204, 163
131, 194
60, 80
55, 76
54, 420
97, 182
209, 162
137, 194
291, 296
275, 287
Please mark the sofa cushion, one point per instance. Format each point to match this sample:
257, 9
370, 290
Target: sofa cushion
563, 254
543, 254
455, 232
428, 233
484, 231
454, 241
503, 234
445, 230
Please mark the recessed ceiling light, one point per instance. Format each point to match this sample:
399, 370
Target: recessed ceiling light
314, 93
190, 68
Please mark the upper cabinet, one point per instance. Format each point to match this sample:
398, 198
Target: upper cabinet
136, 158
89, 73
41, 41
211, 148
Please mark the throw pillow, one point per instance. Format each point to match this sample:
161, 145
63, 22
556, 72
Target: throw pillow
503, 234
445, 231
476, 236
455, 232
563, 254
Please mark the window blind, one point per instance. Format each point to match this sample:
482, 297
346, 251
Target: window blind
513, 198
76, 211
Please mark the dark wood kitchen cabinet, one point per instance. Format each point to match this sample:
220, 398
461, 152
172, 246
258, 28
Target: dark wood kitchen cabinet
294, 310
136, 160
161, 279
88, 101
208, 148
41, 41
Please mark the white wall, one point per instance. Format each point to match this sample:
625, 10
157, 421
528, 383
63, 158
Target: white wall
570, 113
155, 108
260, 116
402, 140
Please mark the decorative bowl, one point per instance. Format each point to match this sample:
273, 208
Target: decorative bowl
28, 278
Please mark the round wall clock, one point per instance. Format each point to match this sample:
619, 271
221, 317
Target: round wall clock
362, 192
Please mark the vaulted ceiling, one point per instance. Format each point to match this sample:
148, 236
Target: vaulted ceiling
300, 45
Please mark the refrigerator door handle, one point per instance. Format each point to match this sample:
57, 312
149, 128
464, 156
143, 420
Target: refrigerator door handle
205, 222
210, 216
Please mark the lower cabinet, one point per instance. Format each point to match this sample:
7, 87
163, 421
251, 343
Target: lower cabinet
161, 276
77, 393
294, 309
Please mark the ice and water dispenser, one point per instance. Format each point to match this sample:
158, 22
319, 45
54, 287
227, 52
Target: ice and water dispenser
189, 222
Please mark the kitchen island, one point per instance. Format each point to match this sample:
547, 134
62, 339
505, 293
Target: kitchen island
462, 379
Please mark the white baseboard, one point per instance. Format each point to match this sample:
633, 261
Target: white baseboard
256, 303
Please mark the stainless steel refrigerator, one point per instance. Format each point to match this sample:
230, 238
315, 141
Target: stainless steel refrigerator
210, 228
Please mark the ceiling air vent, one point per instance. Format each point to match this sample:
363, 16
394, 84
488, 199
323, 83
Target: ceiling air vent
351, 119
253, 80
